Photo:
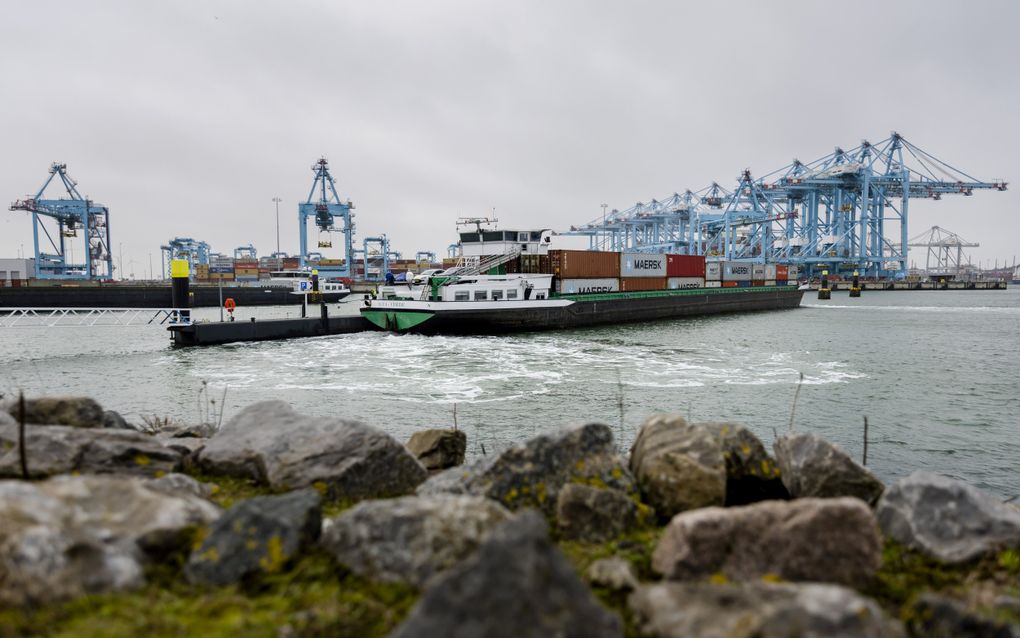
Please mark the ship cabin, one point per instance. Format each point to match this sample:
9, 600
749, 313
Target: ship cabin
483, 243
495, 288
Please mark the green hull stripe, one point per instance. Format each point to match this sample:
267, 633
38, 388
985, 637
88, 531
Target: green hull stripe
396, 319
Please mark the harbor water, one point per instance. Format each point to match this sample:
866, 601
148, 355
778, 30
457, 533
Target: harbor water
935, 372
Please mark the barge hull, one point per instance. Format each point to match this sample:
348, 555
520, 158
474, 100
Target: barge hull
601, 310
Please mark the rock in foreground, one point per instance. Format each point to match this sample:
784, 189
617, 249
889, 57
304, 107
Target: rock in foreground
411, 539
758, 610
947, 519
517, 585
811, 466
257, 536
751, 474
438, 449
934, 616
824, 540
76, 535
595, 515
273, 444
677, 466
79, 412
61, 449
532, 475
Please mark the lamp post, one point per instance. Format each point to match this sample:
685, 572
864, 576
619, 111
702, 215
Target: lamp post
277, 200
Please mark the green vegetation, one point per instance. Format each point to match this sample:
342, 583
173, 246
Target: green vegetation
905, 574
316, 597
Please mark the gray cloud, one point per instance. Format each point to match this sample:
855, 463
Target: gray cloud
186, 118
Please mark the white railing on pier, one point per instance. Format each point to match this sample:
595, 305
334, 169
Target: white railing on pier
65, 317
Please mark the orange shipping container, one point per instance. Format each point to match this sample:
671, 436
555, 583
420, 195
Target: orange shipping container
729, 284
782, 271
641, 284
585, 264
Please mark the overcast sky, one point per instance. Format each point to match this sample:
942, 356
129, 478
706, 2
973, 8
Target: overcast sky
187, 118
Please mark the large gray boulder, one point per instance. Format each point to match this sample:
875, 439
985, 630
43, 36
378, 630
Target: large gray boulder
438, 449
413, 538
273, 444
825, 540
758, 610
613, 573
947, 519
751, 474
517, 585
935, 616
678, 467
596, 515
81, 412
532, 475
114, 421
61, 449
811, 466
75, 535
257, 536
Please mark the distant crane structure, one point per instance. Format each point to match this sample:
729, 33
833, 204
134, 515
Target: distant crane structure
845, 211
330, 215
376, 255
246, 252
425, 256
944, 254
60, 221
194, 251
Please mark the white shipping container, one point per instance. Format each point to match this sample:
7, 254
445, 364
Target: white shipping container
642, 265
713, 271
682, 283
713, 284
736, 271
587, 286
770, 271
758, 272
770, 282
793, 272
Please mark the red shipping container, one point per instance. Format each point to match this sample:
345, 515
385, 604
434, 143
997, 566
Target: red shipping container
782, 271
685, 266
642, 284
729, 284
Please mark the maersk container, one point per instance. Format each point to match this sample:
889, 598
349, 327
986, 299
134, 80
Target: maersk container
736, 271
641, 284
713, 271
770, 271
683, 283
642, 265
586, 286
713, 284
584, 264
758, 271
685, 266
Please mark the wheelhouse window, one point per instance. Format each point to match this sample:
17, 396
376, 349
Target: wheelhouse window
462, 295
511, 294
497, 295
479, 295
522, 237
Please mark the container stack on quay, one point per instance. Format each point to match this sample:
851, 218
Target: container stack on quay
221, 268
246, 270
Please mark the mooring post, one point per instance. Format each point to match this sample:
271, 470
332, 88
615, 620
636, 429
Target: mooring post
179, 285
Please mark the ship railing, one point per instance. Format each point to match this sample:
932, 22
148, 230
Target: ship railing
68, 317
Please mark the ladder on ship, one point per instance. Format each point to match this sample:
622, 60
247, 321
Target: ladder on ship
470, 269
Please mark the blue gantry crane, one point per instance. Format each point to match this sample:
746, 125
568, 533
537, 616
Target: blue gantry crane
246, 252
194, 251
66, 223
425, 257
376, 254
331, 216
843, 212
